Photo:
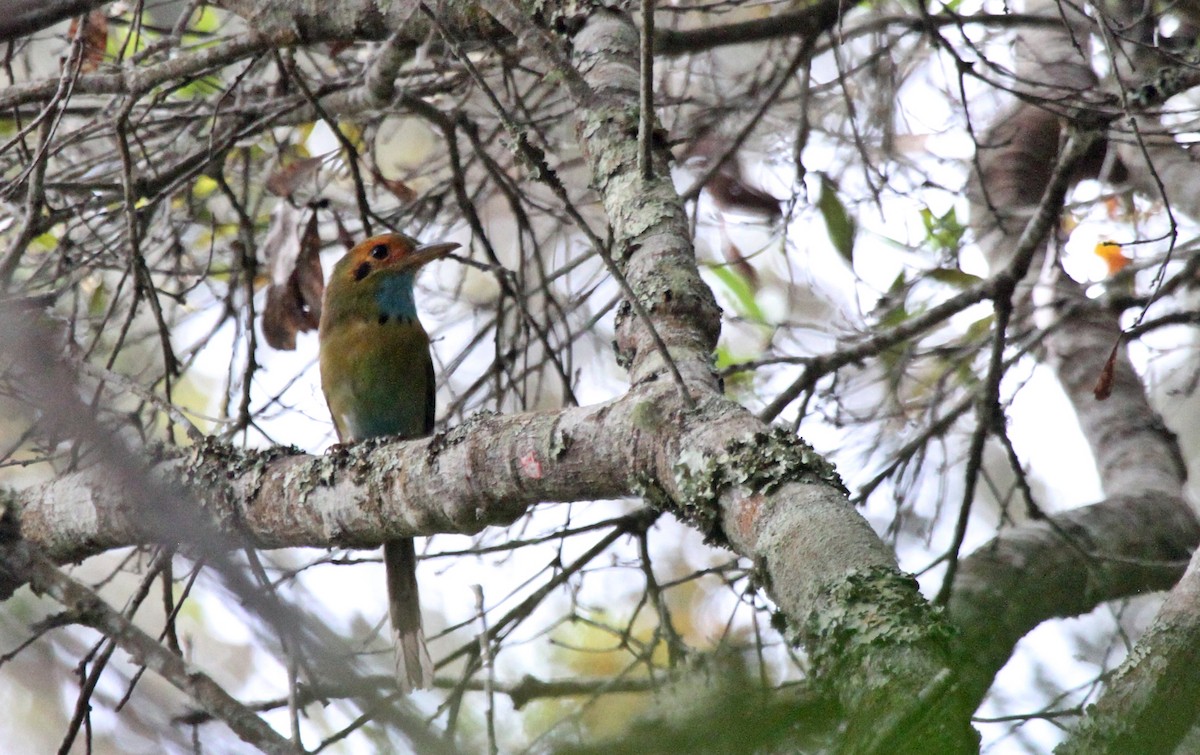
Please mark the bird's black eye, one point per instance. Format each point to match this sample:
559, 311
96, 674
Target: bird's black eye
379, 251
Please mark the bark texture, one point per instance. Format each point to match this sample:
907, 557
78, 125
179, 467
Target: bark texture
1153, 700
1140, 537
672, 438
904, 676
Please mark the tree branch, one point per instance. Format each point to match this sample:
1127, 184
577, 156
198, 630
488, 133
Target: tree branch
1154, 697
1139, 538
24, 17
1065, 565
24, 562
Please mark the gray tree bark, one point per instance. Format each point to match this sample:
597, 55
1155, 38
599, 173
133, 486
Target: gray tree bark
906, 677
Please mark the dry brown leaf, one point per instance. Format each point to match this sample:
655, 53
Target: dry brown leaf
297, 282
92, 35
1103, 387
728, 188
398, 188
288, 178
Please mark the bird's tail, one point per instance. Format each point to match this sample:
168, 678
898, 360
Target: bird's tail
414, 668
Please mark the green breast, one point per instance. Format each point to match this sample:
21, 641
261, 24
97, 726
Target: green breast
378, 378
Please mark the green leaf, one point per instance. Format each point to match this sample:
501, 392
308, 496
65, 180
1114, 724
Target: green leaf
47, 241
892, 307
741, 292
206, 21
98, 301
838, 223
944, 232
980, 330
954, 277
735, 382
203, 187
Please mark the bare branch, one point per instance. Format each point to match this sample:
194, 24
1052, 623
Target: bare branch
23, 562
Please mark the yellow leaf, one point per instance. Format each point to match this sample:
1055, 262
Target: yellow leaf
203, 187
206, 21
353, 134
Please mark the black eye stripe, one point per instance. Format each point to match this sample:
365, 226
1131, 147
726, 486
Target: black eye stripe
362, 270
379, 251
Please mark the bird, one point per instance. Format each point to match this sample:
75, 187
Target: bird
378, 379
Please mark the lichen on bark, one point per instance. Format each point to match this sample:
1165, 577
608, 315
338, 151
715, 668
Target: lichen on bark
758, 462
867, 610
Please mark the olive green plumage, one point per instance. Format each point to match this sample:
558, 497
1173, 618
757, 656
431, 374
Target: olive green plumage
377, 376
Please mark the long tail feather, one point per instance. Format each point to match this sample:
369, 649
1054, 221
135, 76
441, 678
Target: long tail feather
414, 668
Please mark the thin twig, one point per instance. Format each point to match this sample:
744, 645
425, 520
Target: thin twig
91, 610
489, 670
646, 116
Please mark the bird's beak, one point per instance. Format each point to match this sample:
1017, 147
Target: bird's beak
428, 253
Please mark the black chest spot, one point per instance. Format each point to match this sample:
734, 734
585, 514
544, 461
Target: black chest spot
385, 318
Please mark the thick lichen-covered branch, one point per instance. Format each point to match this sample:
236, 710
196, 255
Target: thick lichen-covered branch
1119, 547
761, 461
784, 508
356, 496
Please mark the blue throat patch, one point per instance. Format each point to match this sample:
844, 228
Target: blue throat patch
395, 297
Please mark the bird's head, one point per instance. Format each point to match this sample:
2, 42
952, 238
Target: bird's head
387, 254
374, 280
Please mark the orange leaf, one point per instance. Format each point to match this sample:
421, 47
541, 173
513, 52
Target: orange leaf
1113, 256
1114, 207
92, 37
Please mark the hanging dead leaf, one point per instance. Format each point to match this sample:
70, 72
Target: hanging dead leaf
286, 179
344, 236
309, 278
398, 188
297, 282
1104, 383
728, 188
91, 33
